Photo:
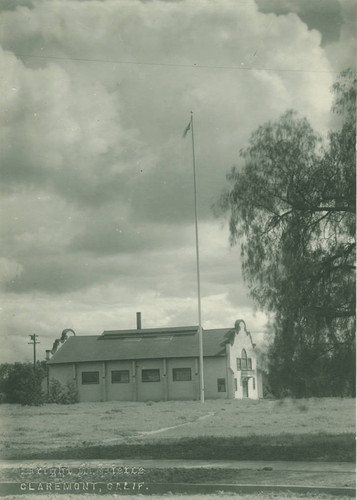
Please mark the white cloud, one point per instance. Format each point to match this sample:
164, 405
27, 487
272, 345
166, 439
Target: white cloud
92, 147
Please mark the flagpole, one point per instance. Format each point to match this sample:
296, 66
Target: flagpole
202, 389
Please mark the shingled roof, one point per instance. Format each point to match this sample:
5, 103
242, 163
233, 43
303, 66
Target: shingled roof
178, 342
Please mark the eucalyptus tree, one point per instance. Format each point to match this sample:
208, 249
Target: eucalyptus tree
291, 207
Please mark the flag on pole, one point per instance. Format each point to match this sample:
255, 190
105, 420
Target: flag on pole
186, 130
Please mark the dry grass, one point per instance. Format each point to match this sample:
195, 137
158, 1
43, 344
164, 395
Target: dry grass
84, 424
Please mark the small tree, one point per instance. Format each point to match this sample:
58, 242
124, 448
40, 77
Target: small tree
22, 384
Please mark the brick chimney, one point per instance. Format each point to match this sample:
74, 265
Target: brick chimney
138, 320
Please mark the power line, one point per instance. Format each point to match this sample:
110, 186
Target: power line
172, 65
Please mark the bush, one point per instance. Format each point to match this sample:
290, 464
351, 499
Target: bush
22, 384
72, 393
56, 392
63, 394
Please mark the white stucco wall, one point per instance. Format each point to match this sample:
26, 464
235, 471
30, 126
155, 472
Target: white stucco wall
119, 391
243, 341
150, 391
63, 373
214, 368
91, 392
73, 372
184, 390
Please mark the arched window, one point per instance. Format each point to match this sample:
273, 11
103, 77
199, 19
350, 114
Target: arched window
244, 363
244, 360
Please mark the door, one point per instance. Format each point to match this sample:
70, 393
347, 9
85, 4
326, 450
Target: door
245, 388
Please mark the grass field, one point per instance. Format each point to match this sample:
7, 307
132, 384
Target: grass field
326, 426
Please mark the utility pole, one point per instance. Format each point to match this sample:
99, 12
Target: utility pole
34, 342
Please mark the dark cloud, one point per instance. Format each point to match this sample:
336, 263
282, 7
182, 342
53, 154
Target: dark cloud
113, 237
55, 276
322, 15
14, 4
140, 262
71, 273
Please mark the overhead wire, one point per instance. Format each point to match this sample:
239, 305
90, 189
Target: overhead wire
242, 67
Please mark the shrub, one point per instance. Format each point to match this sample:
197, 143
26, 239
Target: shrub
22, 384
71, 393
62, 394
56, 392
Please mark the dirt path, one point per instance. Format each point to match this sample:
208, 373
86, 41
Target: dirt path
163, 429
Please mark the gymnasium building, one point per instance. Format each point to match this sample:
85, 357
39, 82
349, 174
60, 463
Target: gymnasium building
159, 364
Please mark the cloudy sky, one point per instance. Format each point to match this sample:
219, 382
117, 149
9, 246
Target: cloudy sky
97, 200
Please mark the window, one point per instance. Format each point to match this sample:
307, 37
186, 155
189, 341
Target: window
235, 384
221, 385
253, 383
244, 360
120, 376
181, 374
90, 378
244, 363
150, 375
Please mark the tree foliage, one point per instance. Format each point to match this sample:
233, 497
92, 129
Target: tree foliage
20, 383
292, 208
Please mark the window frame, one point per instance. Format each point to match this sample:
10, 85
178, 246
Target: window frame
146, 370
219, 386
127, 372
244, 358
185, 369
92, 372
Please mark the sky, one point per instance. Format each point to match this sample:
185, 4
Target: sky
97, 183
